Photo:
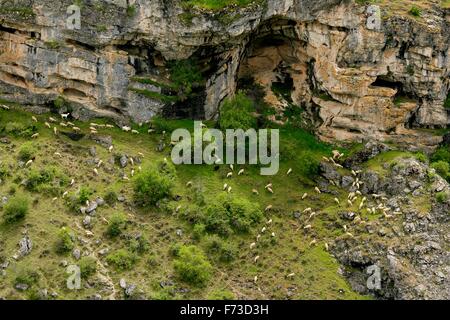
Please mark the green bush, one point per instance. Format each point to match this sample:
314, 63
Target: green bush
65, 242
192, 266
16, 209
227, 213
221, 250
27, 151
415, 11
111, 198
19, 129
153, 185
422, 157
185, 75
442, 168
116, 225
442, 197
88, 266
48, 180
139, 245
441, 154
122, 259
27, 276
4, 171
237, 113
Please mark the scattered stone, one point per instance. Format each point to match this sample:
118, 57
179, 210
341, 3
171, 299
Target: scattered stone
25, 246
76, 254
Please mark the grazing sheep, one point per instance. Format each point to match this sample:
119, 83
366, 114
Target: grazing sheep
307, 210
109, 126
231, 167
178, 209
62, 124
99, 163
110, 149
29, 162
270, 190
189, 184
55, 131
65, 115
65, 194
345, 227
72, 182
150, 131
317, 190
270, 221
95, 171
5, 107
273, 234
291, 275
326, 246
92, 128
305, 195
76, 129
270, 185
264, 229
48, 125
268, 208
354, 173
126, 129
141, 154
125, 178
52, 119
255, 192
313, 243
134, 132
225, 186
336, 154
325, 159
34, 119
256, 259
308, 227
253, 245
229, 189
34, 136
230, 174
289, 171
241, 172
54, 199
70, 124
132, 161
258, 237
255, 279
350, 203
337, 201
132, 173
338, 165
349, 234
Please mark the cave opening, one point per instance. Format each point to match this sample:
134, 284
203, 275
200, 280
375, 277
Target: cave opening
268, 65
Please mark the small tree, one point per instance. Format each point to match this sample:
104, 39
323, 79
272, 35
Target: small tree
16, 209
116, 224
192, 266
153, 185
65, 242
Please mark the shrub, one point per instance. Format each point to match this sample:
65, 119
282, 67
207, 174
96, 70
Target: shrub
88, 266
48, 180
441, 154
122, 259
27, 151
65, 241
223, 251
198, 231
192, 266
16, 209
152, 185
139, 245
442, 197
115, 225
415, 11
19, 129
442, 168
111, 198
236, 113
227, 213
26, 276
84, 194
185, 75
422, 157
4, 171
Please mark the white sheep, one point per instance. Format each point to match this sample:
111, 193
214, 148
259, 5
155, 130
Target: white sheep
62, 124
289, 171
256, 192
48, 125
317, 190
291, 275
337, 201
229, 189
29, 162
268, 208
132, 173
253, 245
55, 131
76, 129
34, 119
189, 184
95, 171
305, 195
230, 174
34, 136
110, 149
225, 186
99, 163
134, 132
264, 229
241, 172
126, 129
270, 190
273, 235
308, 227
52, 119
65, 115
307, 210
313, 243
70, 124
256, 259
270, 185
72, 182
270, 221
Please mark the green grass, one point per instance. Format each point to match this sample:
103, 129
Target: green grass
217, 4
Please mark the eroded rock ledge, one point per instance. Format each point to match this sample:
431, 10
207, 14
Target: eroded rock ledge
356, 78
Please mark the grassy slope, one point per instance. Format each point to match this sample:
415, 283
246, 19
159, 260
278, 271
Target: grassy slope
316, 271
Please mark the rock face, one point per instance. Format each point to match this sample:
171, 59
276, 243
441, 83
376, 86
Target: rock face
359, 71
410, 253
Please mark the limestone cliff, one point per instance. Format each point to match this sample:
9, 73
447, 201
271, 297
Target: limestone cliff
359, 71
